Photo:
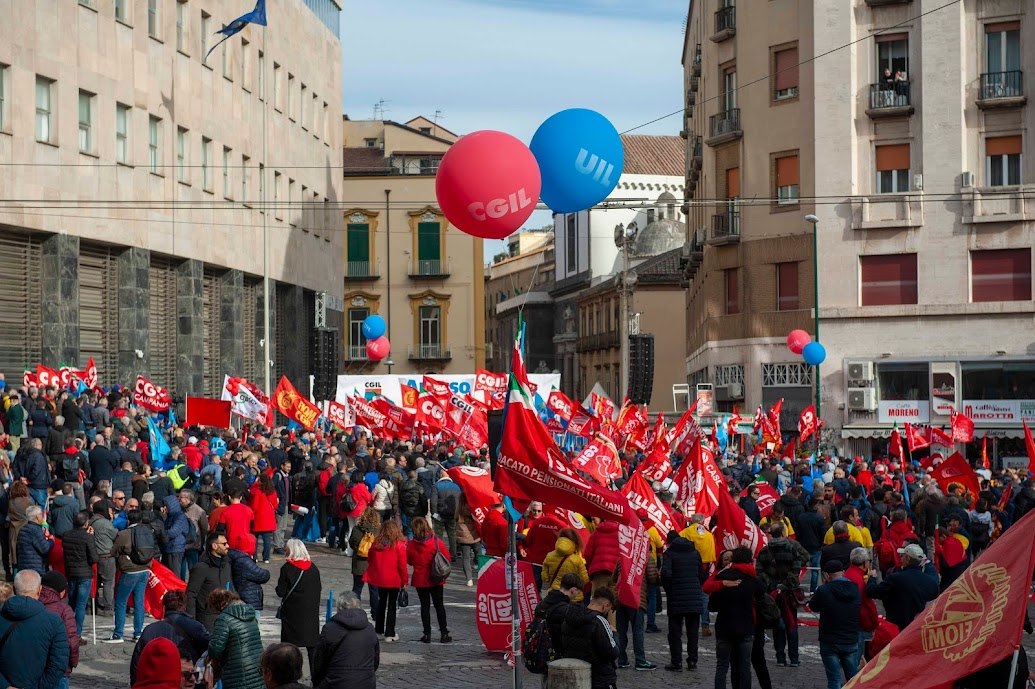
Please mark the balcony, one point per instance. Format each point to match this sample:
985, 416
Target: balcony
725, 228
695, 68
887, 212
725, 24
358, 271
696, 153
592, 343
429, 352
695, 84
357, 353
724, 126
1002, 90
887, 100
429, 269
1013, 204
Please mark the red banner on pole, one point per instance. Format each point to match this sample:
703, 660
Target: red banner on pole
293, 405
493, 608
202, 411
478, 490
149, 396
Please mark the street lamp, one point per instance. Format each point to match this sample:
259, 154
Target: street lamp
814, 220
624, 235
389, 363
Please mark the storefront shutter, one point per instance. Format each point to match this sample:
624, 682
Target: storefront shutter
162, 323
20, 305
99, 311
213, 373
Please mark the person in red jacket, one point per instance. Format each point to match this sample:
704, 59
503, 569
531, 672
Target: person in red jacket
540, 541
264, 503
386, 569
361, 496
236, 519
420, 552
192, 455
602, 554
495, 532
323, 494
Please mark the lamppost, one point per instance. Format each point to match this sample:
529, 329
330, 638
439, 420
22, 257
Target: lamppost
389, 363
814, 220
624, 235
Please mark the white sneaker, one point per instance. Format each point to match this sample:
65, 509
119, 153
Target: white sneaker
391, 639
470, 582
321, 540
348, 552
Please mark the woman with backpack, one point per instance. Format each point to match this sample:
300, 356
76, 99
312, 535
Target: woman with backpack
467, 540
300, 589
423, 553
386, 569
360, 540
353, 504
264, 503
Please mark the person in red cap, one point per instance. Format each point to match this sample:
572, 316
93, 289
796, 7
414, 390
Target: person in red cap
162, 666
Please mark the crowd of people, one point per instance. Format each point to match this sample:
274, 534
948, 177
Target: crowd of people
86, 511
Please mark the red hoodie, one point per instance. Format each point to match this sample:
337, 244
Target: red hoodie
494, 534
602, 552
159, 665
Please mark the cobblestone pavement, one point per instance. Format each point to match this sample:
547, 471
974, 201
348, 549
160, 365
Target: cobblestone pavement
463, 663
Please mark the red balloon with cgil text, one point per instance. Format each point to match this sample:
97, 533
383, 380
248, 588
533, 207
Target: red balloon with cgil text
797, 339
378, 348
488, 184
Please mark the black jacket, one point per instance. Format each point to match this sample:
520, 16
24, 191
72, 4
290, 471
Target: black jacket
54, 444
176, 627
300, 616
103, 464
33, 467
587, 636
837, 603
553, 608
681, 574
205, 577
123, 480
838, 550
793, 508
905, 592
750, 508
735, 605
248, 578
810, 531
41, 423
348, 653
80, 549
73, 415
62, 513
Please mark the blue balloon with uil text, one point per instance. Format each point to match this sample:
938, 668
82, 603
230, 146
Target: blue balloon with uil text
814, 353
580, 158
373, 327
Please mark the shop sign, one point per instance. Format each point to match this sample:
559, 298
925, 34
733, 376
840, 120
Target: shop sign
1000, 411
903, 411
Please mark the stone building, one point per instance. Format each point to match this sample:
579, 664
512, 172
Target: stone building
141, 180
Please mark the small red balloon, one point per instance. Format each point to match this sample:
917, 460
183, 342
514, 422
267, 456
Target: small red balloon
797, 339
378, 348
488, 184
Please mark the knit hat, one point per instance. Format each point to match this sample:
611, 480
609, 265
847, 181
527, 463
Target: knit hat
159, 666
55, 580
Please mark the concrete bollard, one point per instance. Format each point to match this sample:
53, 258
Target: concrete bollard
569, 673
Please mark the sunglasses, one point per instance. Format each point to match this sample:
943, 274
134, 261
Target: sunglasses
190, 676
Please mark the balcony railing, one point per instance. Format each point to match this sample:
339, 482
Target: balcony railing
597, 341
429, 352
358, 352
996, 85
429, 268
726, 122
885, 96
361, 270
726, 227
697, 150
726, 20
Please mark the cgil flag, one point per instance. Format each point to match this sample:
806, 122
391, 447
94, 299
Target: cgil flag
699, 482
733, 528
290, 402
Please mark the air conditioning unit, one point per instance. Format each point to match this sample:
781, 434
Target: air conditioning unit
967, 179
735, 391
860, 370
862, 399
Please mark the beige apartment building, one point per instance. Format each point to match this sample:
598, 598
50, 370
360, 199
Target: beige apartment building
402, 258
141, 181
905, 138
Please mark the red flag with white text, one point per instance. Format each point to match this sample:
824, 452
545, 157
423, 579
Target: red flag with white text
341, 415
808, 422
494, 385
436, 387
560, 404
733, 528
916, 439
478, 490
642, 497
956, 471
962, 427
292, 404
599, 459
149, 396
48, 377
1029, 446
767, 497
685, 433
699, 483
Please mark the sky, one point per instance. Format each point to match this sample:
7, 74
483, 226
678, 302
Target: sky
510, 64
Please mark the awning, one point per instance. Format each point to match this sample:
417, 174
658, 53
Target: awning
885, 432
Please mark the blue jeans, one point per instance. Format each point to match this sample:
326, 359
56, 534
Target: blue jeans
130, 585
733, 655
39, 496
814, 564
406, 521
706, 617
62, 683
190, 558
357, 588
653, 603
78, 596
864, 638
267, 545
635, 617
838, 660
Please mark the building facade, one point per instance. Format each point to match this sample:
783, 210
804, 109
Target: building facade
403, 260
141, 180
908, 148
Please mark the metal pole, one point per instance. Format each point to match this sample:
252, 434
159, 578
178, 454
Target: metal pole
388, 266
1013, 669
267, 348
815, 313
623, 326
515, 609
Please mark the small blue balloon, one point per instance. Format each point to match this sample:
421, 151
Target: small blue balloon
814, 354
374, 327
580, 158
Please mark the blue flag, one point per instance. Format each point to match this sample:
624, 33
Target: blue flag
256, 16
159, 446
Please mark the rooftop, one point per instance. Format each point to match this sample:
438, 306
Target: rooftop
654, 155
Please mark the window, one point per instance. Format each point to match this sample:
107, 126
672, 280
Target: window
152, 18
785, 69
729, 89
181, 25
787, 297
44, 96
290, 199
276, 196
732, 290
121, 133
3, 97
206, 31
888, 279
154, 138
357, 343
227, 193
303, 97
245, 84
120, 9
429, 248
245, 172
291, 96
326, 124
571, 242
1002, 160
430, 331
994, 380
357, 249
262, 188
1000, 275
227, 74
892, 162
1003, 47
892, 55
901, 381
206, 163
181, 155
86, 122
787, 180
314, 115
276, 86
261, 67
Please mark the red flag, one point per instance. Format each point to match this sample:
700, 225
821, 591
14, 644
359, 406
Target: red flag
656, 467
962, 427
731, 429
788, 450
29, 380
685, 433
603, 407
398, 423
940, 437
202, 411
895, 445
476, 485
436, 387
161, 581
984, 451
1029, 445
48, 377
1004, 499
771, 424
807, 423
916, 439
149, 396
570, 519
766, 499
599, 459
494, 385
974, 623
366, 414
560, 404
699, 482
642, 497
583, 423
430, 411
293, 405
90, 377
733, 528
956, 471
634, 547
341, 415
409, 397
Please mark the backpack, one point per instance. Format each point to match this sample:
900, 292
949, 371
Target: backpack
192, 540
70, 467
440, 566
410, 493
363, 549
348, 503
537, 648
446, 506
142, 545
768, 611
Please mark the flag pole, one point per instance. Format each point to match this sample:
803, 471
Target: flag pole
267, 359
1013, 668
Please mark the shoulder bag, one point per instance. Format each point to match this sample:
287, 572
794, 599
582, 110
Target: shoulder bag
280, 608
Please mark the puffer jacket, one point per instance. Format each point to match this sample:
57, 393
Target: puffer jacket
62, 513
38, 635
563, 559
419, 555
248, 578
55, 604
384, 494
587, 636
80, 552
602, 552
780, 563
361, 494
176, 526
681, 575
236, 645
33, 548
348, 654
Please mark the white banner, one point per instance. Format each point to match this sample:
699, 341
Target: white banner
369, 387
1000, 411
903, 411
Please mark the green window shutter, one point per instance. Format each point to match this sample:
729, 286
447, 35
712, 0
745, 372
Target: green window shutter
429, 246
359, 242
